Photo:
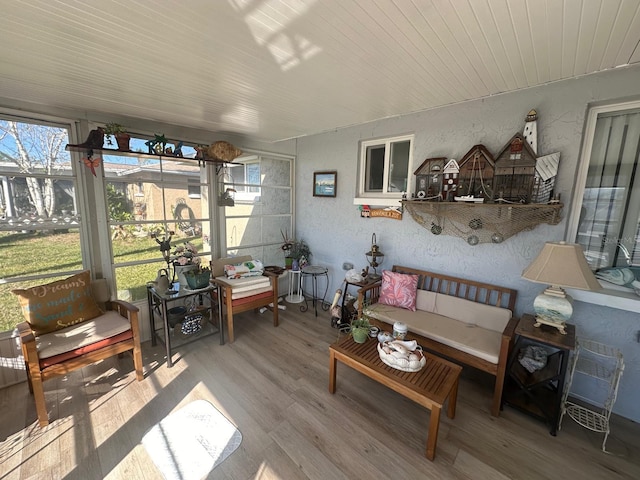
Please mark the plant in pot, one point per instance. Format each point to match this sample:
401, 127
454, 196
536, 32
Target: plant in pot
360, 328
300, 253
121, 136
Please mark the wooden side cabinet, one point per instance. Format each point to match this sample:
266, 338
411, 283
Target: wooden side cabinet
539, 393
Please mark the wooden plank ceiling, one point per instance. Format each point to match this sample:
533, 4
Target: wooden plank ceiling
279, 69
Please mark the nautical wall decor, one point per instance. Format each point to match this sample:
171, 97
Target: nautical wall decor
514, 171
475, 181
429, 179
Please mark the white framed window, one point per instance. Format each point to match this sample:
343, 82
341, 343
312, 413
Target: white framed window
385, 170
605, 218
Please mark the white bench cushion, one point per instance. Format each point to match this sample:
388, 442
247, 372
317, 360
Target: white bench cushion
485, 316
466, 337
61, 341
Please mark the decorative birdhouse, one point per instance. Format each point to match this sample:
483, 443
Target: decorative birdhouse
530, 132
476, 173
515, 168
429, 179
450, 174
545, 178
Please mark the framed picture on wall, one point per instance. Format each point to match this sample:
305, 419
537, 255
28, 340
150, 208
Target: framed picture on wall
324, 184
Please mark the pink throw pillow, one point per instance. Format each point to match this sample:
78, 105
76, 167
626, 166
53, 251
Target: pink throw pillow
399, 290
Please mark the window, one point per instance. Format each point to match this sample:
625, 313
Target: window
149, 197
606, 216
385, 169
262, 206
41, 234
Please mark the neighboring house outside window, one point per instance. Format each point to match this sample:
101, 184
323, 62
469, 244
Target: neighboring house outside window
385, 170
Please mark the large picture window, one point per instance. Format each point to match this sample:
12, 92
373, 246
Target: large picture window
40, 220
153, 198
606, 221
385, 169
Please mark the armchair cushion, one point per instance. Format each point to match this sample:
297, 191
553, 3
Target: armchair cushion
77, 336
60, 304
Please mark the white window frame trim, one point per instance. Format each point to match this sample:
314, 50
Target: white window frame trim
607, 296
381, 198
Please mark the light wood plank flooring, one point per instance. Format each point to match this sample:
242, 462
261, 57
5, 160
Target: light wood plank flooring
273, 384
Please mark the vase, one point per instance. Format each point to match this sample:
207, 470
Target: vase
180, 270
295, 265
287, 262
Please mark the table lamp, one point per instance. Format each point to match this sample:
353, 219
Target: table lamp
559, 265
375, 258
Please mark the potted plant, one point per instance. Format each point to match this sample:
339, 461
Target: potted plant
360, 328
121, 136
300, 254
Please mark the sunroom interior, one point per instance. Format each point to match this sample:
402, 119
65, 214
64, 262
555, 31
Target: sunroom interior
303, 88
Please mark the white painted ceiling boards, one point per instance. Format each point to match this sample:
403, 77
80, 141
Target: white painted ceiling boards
278, 69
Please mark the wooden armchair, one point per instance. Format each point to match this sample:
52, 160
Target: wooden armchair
61, 351
232, 303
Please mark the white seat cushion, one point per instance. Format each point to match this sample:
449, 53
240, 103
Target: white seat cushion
469, 338
105, 326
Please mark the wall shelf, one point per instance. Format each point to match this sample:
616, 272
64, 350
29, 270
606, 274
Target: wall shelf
480, 222
128, 153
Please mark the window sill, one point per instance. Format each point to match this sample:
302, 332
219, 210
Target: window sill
608, 297
385, 201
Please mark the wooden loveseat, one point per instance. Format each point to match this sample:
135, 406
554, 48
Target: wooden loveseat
466, 321
70, 324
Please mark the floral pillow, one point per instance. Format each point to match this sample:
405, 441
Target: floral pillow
58, 304
399, 290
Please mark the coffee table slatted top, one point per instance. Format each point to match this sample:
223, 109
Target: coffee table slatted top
436, 378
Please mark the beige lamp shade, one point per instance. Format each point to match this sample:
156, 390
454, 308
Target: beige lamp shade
562, 265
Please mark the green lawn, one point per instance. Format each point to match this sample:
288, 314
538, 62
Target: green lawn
23, 254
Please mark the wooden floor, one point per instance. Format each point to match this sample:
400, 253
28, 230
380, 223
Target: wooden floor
273, 384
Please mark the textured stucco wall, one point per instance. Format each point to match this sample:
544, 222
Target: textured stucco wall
336, 233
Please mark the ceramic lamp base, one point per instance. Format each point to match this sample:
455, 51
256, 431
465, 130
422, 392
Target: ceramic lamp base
553, 307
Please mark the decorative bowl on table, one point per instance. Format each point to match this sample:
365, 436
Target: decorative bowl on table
197, 280
402, 355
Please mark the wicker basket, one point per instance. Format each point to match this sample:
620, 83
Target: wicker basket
402, 363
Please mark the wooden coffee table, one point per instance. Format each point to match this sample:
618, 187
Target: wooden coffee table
429, 387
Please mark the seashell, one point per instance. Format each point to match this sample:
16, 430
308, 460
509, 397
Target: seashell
414, 358
398, 347
406, 344
399, 355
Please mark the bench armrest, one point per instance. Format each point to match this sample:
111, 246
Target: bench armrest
374, 293
25, 333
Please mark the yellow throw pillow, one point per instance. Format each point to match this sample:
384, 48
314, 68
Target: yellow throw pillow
58, 304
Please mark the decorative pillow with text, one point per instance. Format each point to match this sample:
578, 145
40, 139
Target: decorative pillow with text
58, 304
399, 290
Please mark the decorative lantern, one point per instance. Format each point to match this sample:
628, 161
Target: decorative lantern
375, 258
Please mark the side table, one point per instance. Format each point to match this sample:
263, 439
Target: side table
539, 393
315, 272
170, 336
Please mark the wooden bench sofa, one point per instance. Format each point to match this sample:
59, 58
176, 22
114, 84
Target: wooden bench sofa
466, 321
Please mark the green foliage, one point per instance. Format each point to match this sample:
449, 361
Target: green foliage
299, 249
112, 129
33, 254
120, 208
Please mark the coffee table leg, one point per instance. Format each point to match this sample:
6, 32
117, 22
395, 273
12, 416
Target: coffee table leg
432, 436
453, 398
332, 371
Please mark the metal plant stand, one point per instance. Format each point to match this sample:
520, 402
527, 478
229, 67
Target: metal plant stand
604, 364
